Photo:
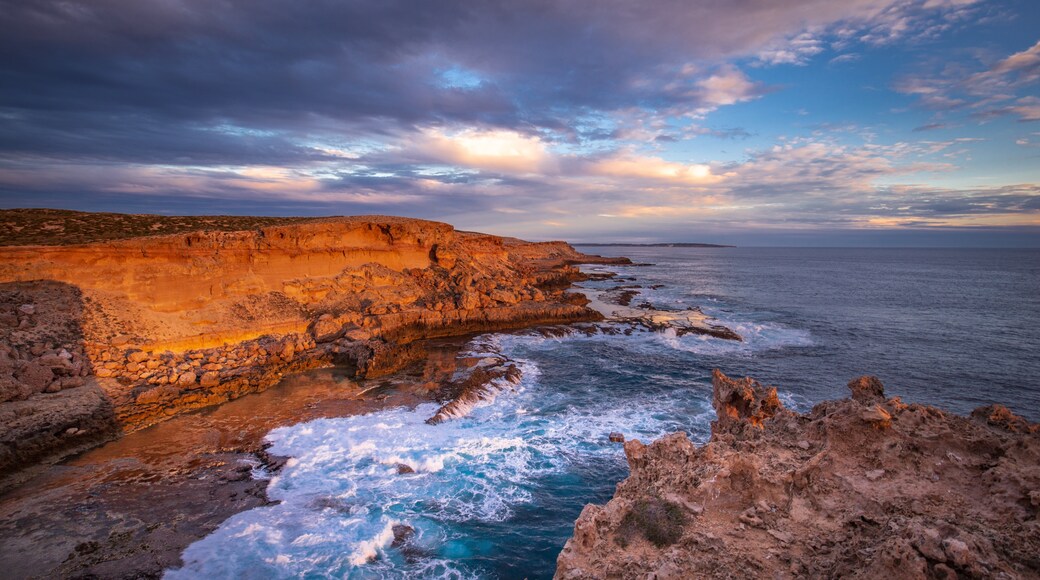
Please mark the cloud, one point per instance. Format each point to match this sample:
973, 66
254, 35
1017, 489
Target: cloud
1020, 68
726, 87
148, 79
797, 50
1027, 108
930, 127
655, 169
496, 150
478, 113
989, 93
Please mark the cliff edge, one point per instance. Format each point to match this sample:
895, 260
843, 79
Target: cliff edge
865, 487
111, 335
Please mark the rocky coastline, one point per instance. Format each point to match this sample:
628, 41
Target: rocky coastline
107, 346
864, 487
100, 339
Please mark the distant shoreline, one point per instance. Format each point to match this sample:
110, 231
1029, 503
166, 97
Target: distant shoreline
664, 245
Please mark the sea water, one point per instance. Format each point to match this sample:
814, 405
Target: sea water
495, 494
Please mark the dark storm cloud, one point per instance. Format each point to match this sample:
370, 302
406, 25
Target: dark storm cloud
123, 78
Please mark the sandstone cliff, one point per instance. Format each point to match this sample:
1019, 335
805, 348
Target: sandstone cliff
106, 337
866, 487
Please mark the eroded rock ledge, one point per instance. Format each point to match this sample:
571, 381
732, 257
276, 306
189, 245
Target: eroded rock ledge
865, 487
103, 338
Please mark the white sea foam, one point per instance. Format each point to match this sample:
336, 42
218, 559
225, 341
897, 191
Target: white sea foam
367, 550
340, 493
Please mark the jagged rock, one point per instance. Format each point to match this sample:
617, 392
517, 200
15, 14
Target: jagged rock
404, 468
616, 437
867, 390
1001, 416
740, 403
481, 384
932, 495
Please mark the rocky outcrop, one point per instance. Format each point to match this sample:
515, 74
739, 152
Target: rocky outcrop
480, 384
154, 326
615, 307
866, 487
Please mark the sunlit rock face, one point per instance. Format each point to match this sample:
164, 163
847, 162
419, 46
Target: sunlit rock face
158, 325
864, 487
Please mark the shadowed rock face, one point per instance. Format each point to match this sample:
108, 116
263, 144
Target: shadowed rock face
170, 323
866, 487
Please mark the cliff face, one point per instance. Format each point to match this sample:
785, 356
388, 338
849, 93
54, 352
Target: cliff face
866, 487
129, 332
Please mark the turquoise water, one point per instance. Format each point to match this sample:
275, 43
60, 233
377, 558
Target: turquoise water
495, 494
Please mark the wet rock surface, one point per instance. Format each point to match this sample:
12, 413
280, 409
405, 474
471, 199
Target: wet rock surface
865, 487
615, 306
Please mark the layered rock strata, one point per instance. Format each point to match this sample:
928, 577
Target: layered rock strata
109, 337
865, 487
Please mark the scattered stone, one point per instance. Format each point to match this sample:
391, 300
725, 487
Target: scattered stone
403, 468
27, 309
875, 474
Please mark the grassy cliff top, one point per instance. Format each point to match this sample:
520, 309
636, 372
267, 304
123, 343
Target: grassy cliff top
58, 227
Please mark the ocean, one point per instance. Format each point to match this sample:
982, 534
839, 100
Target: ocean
495, 494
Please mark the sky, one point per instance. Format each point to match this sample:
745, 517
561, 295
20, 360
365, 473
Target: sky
789, 122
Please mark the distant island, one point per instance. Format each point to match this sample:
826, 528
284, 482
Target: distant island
663, 245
